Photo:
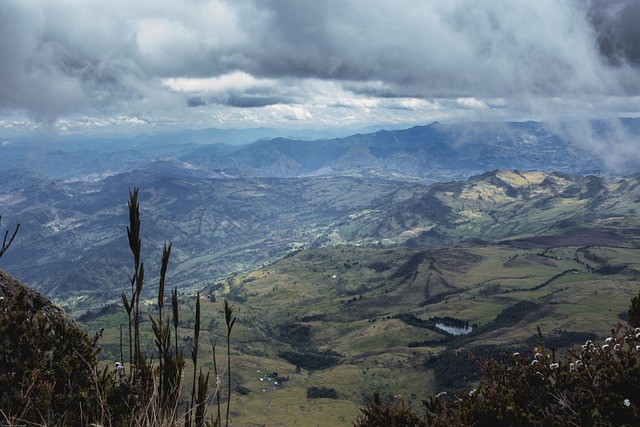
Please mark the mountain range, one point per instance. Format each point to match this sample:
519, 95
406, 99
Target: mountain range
231, 208
430, 153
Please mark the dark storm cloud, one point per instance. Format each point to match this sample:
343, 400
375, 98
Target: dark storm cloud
240, 101
617, 26
455, 48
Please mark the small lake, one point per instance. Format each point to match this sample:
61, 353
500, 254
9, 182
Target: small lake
454, 330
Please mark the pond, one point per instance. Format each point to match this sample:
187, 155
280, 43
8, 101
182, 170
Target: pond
454, 330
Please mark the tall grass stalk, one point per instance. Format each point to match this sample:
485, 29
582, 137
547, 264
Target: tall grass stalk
174, 307
218, 381
194, 350
230, 321
135, 244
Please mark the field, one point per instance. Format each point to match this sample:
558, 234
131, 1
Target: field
357, 320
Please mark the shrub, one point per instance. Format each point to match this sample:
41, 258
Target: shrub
321, 392
47, 364
390, 413
597, 385
311, 360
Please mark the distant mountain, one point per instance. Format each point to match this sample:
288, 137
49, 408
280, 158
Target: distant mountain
436, 152
431, 153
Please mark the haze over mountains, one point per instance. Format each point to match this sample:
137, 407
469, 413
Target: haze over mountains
230, 208
435, 152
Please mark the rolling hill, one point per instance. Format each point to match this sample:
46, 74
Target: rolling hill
72, 231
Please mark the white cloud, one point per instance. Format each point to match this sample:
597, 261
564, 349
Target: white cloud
233, 81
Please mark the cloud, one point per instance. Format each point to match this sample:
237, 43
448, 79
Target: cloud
407, 60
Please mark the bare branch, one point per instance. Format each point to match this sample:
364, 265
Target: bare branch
5, 244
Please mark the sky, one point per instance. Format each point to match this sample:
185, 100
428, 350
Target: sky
90, 66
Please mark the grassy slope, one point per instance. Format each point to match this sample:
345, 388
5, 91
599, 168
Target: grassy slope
349, 295
322, 288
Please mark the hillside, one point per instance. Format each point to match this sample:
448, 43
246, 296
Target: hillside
502, 205
220, 226
361, 320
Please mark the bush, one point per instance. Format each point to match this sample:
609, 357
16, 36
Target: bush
388, 413
47, 364
321, 392
311, 360
597, 385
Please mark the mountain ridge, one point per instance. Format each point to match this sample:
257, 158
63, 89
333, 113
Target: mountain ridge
430, 153
220, 226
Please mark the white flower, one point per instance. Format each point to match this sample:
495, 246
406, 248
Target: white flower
616, 347
533, 362
608, 339
627, 402
554, 366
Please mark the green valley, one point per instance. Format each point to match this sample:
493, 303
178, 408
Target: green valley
361, 320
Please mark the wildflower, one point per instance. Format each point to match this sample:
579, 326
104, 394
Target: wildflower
119, 366
534, 361
516, 354
627, 403
605, 347
616, 347
637, 330
472, 393
442, 393
608, 340
554, 366
638, 348
572, 366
